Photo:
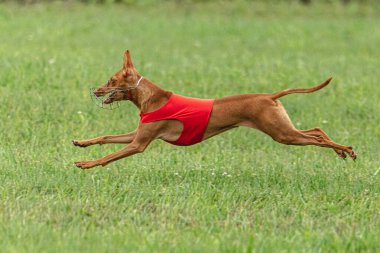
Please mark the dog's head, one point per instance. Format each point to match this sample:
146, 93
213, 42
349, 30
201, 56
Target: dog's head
120, 85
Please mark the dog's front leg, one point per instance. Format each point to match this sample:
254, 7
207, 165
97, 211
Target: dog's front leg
122, 138
144, 136
131, 149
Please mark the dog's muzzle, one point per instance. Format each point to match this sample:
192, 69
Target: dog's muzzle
100, 101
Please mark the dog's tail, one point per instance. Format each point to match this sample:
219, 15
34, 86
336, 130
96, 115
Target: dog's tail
299, 90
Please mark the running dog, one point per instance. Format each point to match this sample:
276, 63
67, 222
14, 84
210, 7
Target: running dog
184, 121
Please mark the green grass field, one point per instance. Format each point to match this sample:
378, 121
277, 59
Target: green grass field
237, 192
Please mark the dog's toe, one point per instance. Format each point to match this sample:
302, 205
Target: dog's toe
353, 155
340, 153
78, 144
79, 165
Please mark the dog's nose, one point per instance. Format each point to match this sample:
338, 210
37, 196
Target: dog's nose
98, 93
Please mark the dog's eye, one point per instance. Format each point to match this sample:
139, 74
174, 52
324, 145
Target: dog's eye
110, 82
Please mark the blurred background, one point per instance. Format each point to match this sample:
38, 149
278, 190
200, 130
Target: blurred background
237, 192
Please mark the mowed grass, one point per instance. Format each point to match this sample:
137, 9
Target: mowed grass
237, 192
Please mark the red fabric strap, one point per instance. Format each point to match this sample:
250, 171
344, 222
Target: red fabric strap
194, 113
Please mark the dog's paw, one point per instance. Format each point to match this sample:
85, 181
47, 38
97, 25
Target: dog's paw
86, 164
341, 154
353, 154
79, 143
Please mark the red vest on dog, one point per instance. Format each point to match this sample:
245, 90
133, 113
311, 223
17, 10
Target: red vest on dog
194, 114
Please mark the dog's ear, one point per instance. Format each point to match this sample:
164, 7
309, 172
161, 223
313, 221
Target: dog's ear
127, 60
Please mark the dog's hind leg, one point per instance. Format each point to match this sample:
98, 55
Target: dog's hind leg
122, 138
275, 122
297, 137
317, 132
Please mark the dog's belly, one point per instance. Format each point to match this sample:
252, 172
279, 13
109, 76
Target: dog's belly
234, 111
247, 124
172, 130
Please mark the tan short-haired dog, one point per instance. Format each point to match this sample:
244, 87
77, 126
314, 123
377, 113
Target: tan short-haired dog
185, 121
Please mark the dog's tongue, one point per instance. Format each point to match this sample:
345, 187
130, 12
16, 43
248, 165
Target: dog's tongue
108, 100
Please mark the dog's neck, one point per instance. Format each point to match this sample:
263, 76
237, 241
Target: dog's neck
148, 96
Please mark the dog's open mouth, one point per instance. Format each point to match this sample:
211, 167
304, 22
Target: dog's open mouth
106, 101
